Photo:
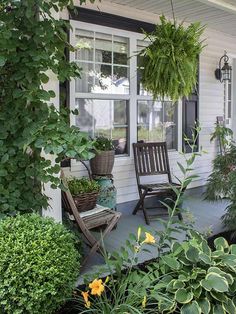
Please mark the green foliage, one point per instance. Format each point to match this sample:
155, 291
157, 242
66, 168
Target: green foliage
128, 289
224, 135
169, 64
222, 183
103, 144
39, 264
193, 279
171, 227
83, 185
33, 44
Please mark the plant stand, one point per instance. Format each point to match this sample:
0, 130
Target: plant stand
108, 193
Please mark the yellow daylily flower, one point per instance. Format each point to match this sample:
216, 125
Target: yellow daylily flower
144, 301
88, 304
149, 238
97, 287
85, 295
139, 233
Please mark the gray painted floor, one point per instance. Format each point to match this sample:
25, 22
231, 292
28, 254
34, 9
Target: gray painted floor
206, 215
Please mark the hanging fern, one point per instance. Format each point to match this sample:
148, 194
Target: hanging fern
169, 64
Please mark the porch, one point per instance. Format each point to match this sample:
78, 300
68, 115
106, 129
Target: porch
206, 216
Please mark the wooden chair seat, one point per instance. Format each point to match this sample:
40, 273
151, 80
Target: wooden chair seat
100, 219
159, 187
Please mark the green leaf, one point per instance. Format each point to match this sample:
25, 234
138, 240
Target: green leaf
2, 61
221, 244
214, 281
183, 296
171, 262
218, 309
191, 308
205, 305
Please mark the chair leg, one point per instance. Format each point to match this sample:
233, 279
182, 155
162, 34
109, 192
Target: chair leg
146, 216
140, 203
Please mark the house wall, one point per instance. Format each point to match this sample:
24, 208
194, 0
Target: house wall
211, 104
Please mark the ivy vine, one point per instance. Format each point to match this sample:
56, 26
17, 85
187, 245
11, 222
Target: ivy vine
32, 42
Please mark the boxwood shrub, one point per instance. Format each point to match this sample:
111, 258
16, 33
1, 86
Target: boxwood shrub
38, 266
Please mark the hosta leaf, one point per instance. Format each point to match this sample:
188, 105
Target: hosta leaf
229, 307
171, 262
191, 308
204, 305
214, 281
221, 244
183, 296
192, 254
218, 309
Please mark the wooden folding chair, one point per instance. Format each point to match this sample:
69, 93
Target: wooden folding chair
86, 221
152, 159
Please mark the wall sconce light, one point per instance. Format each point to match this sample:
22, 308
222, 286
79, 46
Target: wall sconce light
223, 73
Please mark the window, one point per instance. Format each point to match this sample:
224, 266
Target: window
110, 97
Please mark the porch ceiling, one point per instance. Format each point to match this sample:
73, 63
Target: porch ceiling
216, 14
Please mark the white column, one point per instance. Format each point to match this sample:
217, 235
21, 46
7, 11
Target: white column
54, 210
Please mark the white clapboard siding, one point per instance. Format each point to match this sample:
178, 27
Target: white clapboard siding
211, 98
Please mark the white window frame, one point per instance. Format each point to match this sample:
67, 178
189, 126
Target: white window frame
132, 97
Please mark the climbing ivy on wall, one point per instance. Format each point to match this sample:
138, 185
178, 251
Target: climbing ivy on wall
32, 43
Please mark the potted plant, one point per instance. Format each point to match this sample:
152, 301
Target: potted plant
103, 162
169, 64
85, 192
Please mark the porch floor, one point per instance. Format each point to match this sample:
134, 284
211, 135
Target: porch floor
205, 214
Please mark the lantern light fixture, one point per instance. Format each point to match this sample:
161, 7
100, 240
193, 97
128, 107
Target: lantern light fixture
223, 73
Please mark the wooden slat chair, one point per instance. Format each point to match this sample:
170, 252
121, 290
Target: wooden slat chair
152, 159
86, 221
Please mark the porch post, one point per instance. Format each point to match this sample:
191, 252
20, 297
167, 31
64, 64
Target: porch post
54, 209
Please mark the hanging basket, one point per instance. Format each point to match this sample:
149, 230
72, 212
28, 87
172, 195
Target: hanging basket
169, 65
102, 163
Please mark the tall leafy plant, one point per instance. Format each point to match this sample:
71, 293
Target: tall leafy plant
169, 64
33, 42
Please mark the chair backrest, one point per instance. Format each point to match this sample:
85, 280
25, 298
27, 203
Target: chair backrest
151, 159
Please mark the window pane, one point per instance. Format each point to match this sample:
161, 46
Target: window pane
120, 50
120, 80
103, 81
140, 89
103, 46
157, 121
86, 82
108, 118
85, 45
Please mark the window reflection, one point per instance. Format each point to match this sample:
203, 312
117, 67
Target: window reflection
109, 118
104, 60
157, 121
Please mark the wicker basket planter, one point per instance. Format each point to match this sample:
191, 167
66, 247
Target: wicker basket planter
102, 163
86, 201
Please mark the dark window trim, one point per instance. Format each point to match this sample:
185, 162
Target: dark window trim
110, 20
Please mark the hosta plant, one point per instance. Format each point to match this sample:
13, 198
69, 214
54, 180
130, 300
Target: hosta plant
169, 64
193, 279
